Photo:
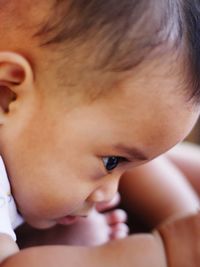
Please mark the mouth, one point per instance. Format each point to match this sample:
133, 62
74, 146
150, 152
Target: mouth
70, 219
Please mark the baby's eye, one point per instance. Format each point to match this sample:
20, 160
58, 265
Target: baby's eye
111, 163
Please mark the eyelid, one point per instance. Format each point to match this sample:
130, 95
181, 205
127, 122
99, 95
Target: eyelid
123, 159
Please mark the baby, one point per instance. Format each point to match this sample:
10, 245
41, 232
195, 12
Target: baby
89, 90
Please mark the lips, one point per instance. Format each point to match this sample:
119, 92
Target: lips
68, 220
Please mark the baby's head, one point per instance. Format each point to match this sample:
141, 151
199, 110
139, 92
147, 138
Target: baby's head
88, 90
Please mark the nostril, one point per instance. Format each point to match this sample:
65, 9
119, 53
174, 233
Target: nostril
105, 192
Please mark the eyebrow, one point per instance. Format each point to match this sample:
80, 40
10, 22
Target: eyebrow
132, 152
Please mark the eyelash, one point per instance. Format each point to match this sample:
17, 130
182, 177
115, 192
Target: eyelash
116, 161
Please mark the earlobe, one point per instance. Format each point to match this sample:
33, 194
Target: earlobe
16, 78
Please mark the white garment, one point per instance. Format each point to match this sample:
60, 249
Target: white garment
9, 217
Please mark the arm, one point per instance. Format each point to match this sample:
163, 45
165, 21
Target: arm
138, 250
175, 244
157, 191
186, 157
182, 242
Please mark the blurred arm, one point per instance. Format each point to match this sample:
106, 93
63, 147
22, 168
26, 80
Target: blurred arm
158, 191
186, 157
138, 250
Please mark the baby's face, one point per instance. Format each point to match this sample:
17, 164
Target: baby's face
62, 162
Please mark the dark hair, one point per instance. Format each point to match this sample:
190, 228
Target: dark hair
191, 12
128, 30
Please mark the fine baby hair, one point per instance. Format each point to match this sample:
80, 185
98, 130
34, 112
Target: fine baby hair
117, 35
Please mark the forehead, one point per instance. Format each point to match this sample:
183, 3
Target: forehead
149, 106
146, 105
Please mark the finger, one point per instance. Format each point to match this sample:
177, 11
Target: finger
120, 227
116, 216
119, 231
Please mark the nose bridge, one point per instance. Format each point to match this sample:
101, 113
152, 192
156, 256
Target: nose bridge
106, 190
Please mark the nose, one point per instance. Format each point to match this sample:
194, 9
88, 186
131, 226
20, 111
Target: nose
105, 192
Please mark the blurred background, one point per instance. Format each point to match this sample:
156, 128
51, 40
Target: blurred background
195, 134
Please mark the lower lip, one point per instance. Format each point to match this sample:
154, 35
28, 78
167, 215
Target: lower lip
68, 220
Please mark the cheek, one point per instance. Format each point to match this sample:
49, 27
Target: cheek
49, 180
48, 192
52, 194
48, 203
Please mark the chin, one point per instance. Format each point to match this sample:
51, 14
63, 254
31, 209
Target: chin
42, 225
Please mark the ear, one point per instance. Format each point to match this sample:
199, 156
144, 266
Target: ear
16, 79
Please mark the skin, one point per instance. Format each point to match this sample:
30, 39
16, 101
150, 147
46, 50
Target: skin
159, 191
187, 158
